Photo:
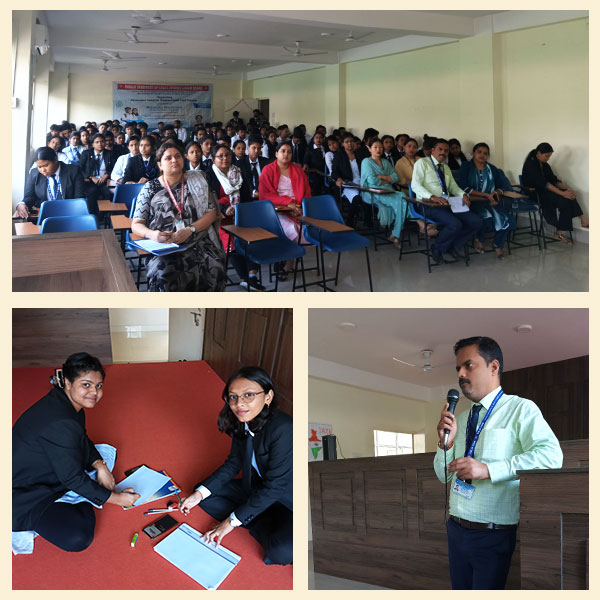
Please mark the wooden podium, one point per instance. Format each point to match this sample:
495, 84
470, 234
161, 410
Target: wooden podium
81, 261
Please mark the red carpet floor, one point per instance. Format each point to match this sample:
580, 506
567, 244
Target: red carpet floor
162, 415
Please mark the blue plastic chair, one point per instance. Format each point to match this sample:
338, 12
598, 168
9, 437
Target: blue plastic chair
326, 209
261, 213
127, 193
62, 208
64, 224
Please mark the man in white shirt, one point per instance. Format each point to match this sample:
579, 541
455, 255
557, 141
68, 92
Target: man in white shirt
119, 168
180, 132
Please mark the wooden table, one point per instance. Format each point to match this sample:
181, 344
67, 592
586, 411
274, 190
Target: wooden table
109, 206
27, 228
249, 234
325, 225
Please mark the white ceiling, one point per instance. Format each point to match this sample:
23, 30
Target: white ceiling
78, 38
381, 334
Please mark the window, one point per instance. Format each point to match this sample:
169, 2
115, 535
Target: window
389, 443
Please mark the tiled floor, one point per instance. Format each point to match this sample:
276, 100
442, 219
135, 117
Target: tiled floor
318, 581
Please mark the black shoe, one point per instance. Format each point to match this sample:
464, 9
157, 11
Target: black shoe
456, 254
254, 283
436, 256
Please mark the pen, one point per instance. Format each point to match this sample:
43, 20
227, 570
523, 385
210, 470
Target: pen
134, 540
155, 511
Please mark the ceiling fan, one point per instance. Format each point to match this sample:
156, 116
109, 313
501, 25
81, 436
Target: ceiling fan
156, 19
132, 36
116, 56
350, 37
105, 66
427, 366
297, 52
215, 71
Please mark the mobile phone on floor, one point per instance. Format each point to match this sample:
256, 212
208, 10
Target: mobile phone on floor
159, 527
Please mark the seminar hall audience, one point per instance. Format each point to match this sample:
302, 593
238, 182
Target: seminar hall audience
273, 164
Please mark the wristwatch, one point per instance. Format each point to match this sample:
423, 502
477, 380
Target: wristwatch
192, 229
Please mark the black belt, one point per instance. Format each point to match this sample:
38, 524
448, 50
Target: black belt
474, 525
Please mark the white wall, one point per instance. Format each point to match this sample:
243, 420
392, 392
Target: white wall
186, 334
149, 319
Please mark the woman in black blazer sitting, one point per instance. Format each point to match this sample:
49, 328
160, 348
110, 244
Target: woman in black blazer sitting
143, 167
345, 168
261, 448
51, 452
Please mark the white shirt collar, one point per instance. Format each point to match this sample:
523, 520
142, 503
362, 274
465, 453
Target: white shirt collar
487, 400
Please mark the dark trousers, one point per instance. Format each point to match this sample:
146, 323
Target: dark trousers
272, 529
567, 210
457, 228
479, 558
93, 193
68, 526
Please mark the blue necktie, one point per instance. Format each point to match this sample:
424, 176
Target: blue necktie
247, 465
472, 428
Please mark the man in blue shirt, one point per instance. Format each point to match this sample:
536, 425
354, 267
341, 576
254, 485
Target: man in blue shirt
487, 445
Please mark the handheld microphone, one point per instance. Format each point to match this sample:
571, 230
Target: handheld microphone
452, 400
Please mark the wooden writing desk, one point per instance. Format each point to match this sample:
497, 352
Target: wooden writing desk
27, 228
325, 225
249, 234
109, 206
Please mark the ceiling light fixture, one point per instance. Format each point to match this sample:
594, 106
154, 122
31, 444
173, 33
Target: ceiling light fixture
347, 325
524, 328
222, 35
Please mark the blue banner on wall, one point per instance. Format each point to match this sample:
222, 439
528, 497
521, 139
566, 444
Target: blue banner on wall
154, 102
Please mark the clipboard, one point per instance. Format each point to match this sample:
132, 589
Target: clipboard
204, 563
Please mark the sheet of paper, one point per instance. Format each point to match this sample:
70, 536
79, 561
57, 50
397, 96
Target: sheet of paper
204, 563
145, 482
152, 246
456, 204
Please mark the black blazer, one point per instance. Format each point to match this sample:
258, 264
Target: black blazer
50, 452
36, 185
273, 452
315, 159
214, 184
537, 176
247, 169
298, 152
340, 165
135, 170
87, 162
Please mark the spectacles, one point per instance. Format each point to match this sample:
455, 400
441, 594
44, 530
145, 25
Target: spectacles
247, 398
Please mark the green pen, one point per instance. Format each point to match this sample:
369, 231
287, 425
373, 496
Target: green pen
134, 540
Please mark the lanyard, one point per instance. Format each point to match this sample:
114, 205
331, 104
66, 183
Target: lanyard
442, 182
53, 194
487, 414
180, 210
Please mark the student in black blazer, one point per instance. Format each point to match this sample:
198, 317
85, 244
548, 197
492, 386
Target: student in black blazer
246, 162
143, 167
261, 448
69, 182
341, 171
50, 453
314, 160
96, 166
299, 146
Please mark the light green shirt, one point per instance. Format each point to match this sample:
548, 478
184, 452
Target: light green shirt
515, 437
425, 181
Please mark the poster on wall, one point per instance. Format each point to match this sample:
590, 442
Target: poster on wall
316, 431
154, 102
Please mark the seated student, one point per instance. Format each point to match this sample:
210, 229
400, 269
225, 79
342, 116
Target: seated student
314, 160
377, 172
118, 172
345, 168
206, 145
143, 129
74, 149
52, 133
398, 150
129, 131
229, 132
226, 181
239, 151
256, 120
362, 149
262, 500
283, 133
160, 126
235, 121
388, 146
142, 167
298, 146
169, 131
96, 166
333, 145
432, 180
456, 157
483, 181
51, 453
252, 165
64, 131
102, 128
109, 144
193, 157
223, 141
428, 144
56, 144
285, 183
120, 143
84, 136
241, 134
554, 194
51, 180
180, 132
270, 146
199, 132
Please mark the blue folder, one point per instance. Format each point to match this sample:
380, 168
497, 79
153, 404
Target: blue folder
204, 563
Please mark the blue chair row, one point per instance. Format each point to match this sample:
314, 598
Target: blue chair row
64, 224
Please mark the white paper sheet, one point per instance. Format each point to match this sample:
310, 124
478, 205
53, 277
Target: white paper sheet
144, 482
456, 204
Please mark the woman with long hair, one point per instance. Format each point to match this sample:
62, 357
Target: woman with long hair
553, 193
261, 447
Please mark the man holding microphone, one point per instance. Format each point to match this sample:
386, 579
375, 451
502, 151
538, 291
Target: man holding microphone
486, 445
